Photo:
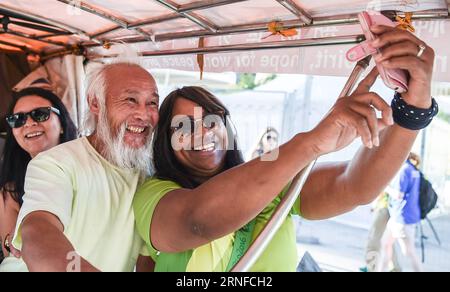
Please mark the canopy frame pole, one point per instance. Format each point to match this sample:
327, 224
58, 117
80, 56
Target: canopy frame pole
261, 27
33, 37
197, 19
286, 204
51, 35
20, 47
328, 41
138, 24
9, 12
224, 31
297, 11
50, 22
350, 19
196, 6
95, 11
206, 4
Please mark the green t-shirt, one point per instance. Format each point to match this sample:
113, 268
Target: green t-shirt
280, 256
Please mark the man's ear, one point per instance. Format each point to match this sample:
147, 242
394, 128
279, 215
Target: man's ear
94, 106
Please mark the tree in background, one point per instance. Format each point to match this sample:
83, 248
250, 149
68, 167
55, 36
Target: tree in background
249, 81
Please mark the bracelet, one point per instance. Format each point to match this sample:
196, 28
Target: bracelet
411, 117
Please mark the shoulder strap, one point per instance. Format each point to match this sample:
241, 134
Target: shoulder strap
242, 241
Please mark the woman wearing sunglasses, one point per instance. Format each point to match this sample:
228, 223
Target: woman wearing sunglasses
38, 121
196, 144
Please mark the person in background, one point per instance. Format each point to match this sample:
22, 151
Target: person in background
404, 209
268, 142
381, 216
38, 121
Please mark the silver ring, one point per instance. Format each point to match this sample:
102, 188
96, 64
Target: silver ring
422, 49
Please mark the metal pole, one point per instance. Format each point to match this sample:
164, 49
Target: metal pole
236, 29
33, 37
95, 11
48, 21
227, 49
200, 21
140, 23
195, 6
359, 69
423, 149
436, 235
327, 41
201, 5
297, 11
282, 211
350, 19
20, 47
422, 241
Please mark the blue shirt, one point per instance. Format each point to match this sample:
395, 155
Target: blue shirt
406, 210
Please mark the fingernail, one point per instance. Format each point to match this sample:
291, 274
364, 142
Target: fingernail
376, 142
370, 145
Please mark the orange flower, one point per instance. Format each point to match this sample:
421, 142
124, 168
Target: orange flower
406, 22
277, 28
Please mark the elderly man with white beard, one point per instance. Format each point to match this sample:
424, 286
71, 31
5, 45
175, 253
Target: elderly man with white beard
77, 213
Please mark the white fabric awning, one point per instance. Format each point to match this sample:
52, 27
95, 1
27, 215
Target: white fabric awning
234, 31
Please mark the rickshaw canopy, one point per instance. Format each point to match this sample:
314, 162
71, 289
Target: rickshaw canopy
234, 35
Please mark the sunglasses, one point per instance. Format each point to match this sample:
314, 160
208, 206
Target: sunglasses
38, 115
188, 126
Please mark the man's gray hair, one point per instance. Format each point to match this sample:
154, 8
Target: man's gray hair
95, 83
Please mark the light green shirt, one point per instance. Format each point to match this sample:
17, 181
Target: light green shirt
92, 199
12, 264
280, 255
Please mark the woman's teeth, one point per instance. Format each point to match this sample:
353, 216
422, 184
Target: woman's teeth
206, 148
33, 135
136, 130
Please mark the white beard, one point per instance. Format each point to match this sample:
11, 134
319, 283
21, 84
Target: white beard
121, 155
